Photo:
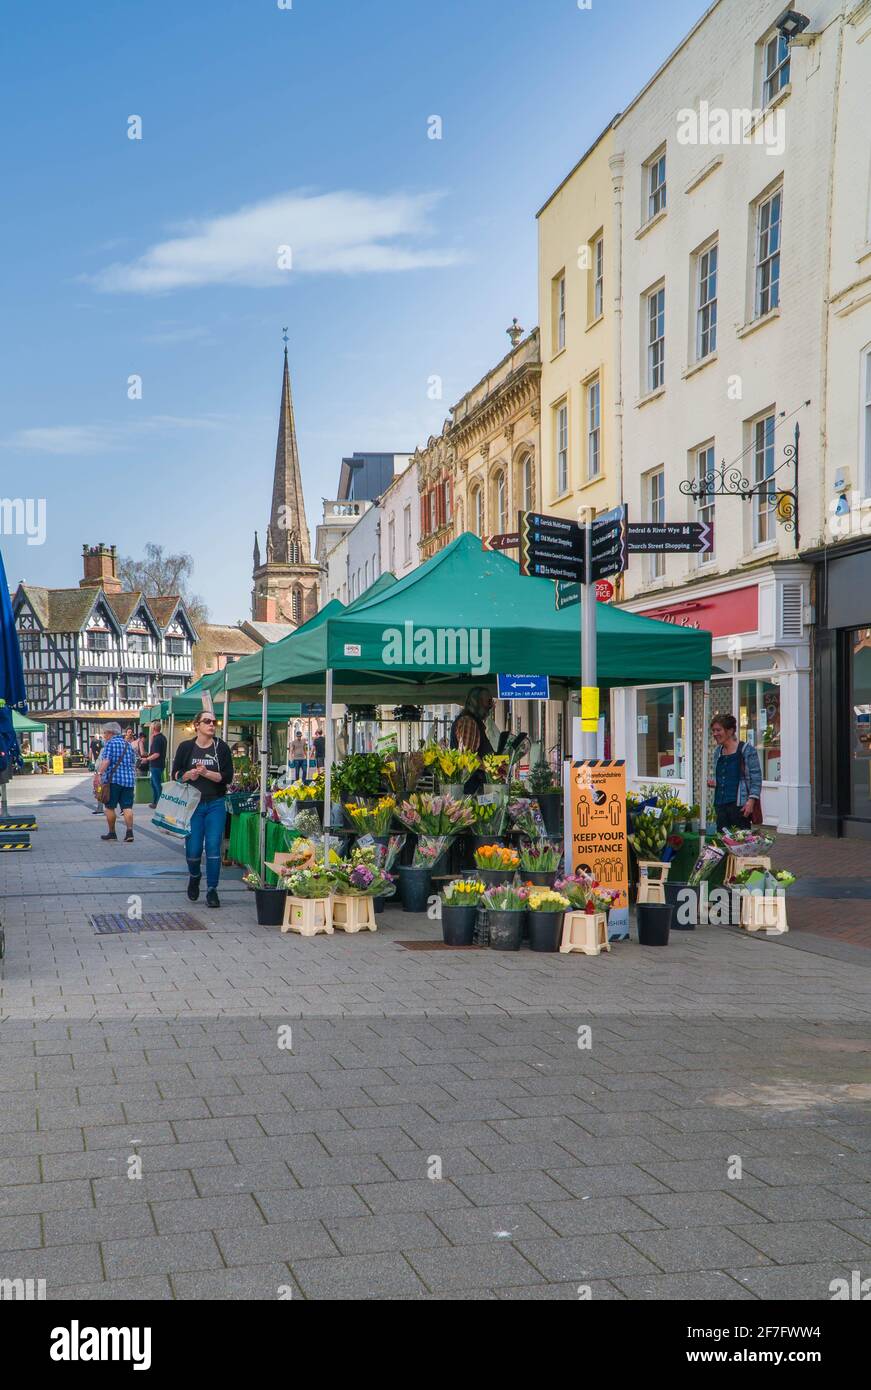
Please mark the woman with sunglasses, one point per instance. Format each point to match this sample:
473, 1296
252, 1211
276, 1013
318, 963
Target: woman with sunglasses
206, 762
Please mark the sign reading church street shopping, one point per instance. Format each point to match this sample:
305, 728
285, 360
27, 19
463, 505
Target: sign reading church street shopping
672, 537
523, 687
551, 547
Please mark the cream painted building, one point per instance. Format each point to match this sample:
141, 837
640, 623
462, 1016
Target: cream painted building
400, 524
728, 161
579, 316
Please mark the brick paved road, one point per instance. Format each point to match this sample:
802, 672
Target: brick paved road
267, 1169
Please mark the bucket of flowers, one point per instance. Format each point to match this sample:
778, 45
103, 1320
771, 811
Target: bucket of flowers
763, 902
372, 816
496, 863
452, 767
539, 862
269, 902
488, 819
546, 915
435, 815
459, 902
589, 905
415, 879
505, 905
357, 881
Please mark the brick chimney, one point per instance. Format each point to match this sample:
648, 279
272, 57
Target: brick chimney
100, 563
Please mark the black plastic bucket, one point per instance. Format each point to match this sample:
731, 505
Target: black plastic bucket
653, 921
545, 930
506, 929
458, 924
685, 901
414, 887
270, 906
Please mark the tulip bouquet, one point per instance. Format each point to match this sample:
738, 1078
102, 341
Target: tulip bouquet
488, 815
428, 850
463, 892
586, 894
435, 815
539, 856
525, 815
451, 764
371, 817
505, 897
496, 857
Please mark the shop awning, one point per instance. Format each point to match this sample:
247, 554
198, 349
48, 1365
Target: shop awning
463, 616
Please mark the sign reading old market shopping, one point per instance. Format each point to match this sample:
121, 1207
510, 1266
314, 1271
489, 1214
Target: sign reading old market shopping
599, 843
551, 547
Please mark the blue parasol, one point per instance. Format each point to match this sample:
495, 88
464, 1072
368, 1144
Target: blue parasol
13, 692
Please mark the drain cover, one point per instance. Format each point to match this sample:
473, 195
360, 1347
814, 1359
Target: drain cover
109, 922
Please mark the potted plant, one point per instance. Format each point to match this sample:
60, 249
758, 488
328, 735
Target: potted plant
505, 906
496, 863
358, 775
269, 902
539, 862
307, 908
459, 904
545, 916
548, 795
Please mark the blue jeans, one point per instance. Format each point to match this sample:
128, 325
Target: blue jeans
156, 775
300, 768
207, 827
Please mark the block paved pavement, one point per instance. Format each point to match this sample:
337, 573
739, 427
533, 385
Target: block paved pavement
438, 1129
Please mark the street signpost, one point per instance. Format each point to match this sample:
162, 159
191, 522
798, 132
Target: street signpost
672, 538
551, 547
523, 687
609, 548
506, 540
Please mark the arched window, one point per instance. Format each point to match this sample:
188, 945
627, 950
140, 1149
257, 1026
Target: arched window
477, 504
500, 499
526, 483
296, 605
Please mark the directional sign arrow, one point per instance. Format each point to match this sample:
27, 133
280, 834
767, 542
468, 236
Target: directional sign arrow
665, 537
505, 540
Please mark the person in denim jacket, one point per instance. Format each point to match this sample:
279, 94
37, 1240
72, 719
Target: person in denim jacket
737, 775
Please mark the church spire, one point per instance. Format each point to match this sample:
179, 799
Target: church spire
256, 552
287, 535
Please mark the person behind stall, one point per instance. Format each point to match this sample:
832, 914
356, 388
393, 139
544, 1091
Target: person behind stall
154, 761
737, 775
206, 762
475, 729
319, 744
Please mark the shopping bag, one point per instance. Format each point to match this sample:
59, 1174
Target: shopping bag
178, 801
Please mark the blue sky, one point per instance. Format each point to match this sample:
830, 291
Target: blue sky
158, 257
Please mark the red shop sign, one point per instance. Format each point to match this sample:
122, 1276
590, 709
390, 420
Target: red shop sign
604, 590
720, 614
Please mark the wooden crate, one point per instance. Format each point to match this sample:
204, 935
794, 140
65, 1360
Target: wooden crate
308, 916
586, 932
736, 862
352, 914
764, 912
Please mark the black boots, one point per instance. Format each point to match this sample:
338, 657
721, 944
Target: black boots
212, 899
193, 889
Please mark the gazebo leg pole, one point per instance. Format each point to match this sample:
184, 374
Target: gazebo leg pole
264, 777
226, 720
329, 754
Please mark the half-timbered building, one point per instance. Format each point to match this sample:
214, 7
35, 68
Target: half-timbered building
99, 652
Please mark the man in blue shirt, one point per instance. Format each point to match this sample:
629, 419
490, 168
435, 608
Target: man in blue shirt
117, 770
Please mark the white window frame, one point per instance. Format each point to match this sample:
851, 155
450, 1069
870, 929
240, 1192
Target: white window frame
527, 483
656, 512
703, 459
593, 417
561, 447
391, 543
478, 510
407, 535
767, 248
559, 312
865, 431
656, 184
500, 498
654, 317
598, 276
775, 66
707, 272
686, 757
764, 511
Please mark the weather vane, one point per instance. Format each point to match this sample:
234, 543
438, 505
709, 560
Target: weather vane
284, 333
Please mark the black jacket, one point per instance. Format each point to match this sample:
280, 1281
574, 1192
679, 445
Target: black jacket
184, 755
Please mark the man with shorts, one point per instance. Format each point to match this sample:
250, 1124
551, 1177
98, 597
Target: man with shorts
117, 770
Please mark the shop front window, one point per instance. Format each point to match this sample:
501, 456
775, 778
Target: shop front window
661, 732
758, 715
860, 722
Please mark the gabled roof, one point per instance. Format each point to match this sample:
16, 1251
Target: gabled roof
124, 605
228, 639
61, 610
163, 607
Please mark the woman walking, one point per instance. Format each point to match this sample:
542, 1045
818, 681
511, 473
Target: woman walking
737, 775
206, 762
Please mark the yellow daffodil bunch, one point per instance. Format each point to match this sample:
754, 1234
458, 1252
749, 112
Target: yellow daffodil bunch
546, 900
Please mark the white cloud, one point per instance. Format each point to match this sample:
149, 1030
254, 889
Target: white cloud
101, 438
327, 232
